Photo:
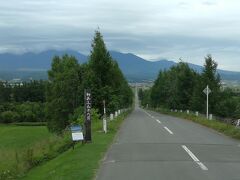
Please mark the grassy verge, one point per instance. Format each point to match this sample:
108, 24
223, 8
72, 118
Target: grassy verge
221, 127
82, 162
30, 124
23, 147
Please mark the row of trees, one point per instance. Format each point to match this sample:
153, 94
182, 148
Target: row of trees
33, 91
182, 88
22, 112
22, 102
68, 79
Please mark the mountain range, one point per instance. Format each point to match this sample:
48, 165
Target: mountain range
135, 69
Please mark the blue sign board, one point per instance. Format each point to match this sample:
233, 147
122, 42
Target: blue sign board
76, 128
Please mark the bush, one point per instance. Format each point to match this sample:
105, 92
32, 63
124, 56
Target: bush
9, 116
81, 118
31, 112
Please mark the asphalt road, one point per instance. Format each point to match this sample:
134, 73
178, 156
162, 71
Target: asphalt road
153, 146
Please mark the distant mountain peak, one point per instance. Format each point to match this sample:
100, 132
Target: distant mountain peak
135, 68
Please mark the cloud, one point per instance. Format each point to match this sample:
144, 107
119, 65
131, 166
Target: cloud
153, 29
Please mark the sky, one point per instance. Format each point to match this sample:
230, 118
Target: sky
151, 29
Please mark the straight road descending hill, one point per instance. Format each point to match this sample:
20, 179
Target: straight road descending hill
152, 146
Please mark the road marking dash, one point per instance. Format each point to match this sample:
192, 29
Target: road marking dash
158, 121
111, 161
202, 166
168, 130
195, 159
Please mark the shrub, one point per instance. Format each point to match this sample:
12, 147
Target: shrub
9, 116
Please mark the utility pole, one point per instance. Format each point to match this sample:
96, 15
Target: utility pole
207, 91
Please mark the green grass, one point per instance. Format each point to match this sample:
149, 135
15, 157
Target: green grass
82, 162
14, 137
23, 147
221, 127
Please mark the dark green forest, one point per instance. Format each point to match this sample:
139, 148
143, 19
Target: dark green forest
60, 100
181, 88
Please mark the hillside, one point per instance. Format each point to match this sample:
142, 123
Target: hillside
134, 68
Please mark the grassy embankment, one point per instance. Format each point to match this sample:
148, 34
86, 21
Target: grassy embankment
221, 127
23, 147
82, 162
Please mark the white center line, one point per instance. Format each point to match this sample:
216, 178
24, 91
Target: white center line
195, 159
168, 130
158, 121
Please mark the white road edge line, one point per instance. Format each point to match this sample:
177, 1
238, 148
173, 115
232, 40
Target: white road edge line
158, 121
195, 159
168, 130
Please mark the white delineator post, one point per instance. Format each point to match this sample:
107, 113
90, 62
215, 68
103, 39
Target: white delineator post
187, 111
196, 113
104, 118
238, 123
210, 116
111, 116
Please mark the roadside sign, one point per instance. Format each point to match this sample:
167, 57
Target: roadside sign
207, 90
88, 106
77, 134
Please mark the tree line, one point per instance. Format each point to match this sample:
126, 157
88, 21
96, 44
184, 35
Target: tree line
181, 87
22, 102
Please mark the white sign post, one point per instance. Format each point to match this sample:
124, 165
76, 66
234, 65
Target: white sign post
207, 91
104, 118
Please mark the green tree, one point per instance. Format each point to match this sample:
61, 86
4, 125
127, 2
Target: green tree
173, 88
5, 92
105, 79
63, 95
211, 78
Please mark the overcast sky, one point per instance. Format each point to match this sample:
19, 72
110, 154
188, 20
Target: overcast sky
152, 29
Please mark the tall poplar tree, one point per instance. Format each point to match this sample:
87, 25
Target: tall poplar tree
105, 79
62, 92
